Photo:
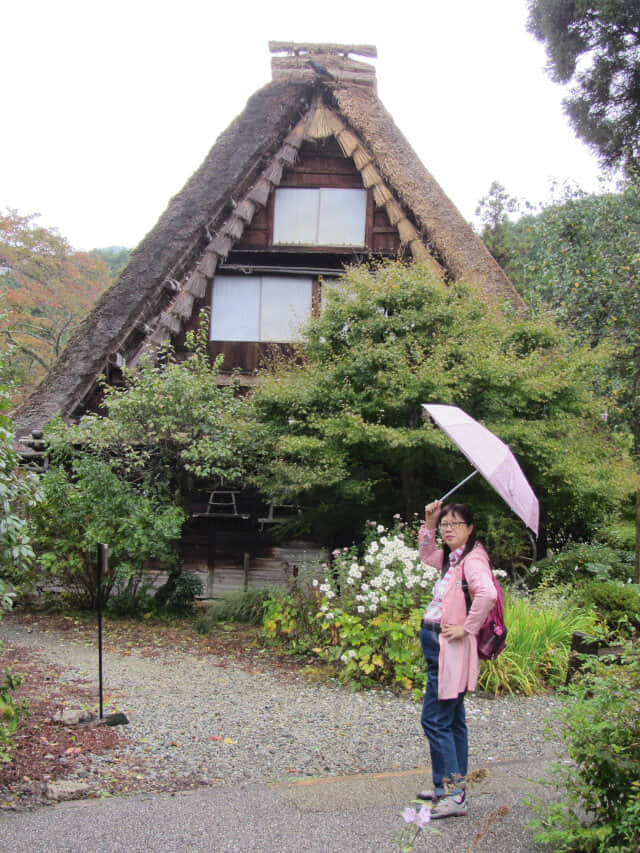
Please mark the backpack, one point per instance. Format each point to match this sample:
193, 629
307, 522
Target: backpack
492, 636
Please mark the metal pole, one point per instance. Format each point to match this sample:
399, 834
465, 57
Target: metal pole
455, 488
103, 557
246, 563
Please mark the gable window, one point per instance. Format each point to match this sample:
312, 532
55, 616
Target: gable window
259, 308
320, 217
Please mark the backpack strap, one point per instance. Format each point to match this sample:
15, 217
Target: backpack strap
465, 589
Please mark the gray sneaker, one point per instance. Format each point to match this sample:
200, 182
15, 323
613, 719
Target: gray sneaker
429, 796
453, 805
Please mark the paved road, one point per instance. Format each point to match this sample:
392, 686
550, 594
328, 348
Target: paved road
354, 814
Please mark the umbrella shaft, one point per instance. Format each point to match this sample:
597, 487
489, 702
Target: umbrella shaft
455, 488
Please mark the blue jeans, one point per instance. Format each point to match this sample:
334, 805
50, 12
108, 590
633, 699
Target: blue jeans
444, 724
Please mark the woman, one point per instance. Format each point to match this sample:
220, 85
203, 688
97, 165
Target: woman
448, 638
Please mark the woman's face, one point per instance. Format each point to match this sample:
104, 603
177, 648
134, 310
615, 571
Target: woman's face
454, 530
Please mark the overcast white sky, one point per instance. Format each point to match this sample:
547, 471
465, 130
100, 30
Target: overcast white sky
109, 107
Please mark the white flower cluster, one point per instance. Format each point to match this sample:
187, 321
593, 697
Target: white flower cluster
388, 565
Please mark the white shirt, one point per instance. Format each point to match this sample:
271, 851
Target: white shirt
433, 613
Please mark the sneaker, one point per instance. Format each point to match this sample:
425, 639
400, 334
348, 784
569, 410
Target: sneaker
429, 796
453, 805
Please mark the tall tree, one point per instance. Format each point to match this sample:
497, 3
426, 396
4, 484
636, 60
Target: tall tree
579, 256
343, 428
45, 290
595, 46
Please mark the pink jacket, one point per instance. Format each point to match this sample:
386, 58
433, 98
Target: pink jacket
458, 664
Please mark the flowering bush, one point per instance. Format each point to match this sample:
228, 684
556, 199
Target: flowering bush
362, 617
371, 604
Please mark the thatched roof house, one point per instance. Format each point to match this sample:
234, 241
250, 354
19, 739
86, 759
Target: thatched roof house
315, 144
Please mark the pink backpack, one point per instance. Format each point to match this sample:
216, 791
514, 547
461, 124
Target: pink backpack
492, 636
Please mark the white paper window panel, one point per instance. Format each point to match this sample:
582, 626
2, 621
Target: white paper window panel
286, 305
259, 308
320, 217
235, 308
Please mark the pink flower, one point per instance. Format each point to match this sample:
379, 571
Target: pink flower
409, 815
423, 817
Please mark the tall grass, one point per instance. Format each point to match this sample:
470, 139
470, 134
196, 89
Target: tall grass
538, 644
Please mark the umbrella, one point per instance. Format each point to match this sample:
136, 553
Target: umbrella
491, 457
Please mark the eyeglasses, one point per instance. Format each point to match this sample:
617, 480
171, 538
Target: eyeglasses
452, 524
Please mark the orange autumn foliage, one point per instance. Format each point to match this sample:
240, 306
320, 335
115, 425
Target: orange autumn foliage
46, 288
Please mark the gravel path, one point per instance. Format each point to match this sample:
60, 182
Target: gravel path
209, 721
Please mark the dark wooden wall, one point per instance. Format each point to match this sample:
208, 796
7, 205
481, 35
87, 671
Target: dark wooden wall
323, 167
320, 165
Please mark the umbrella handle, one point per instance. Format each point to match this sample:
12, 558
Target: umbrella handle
455, 488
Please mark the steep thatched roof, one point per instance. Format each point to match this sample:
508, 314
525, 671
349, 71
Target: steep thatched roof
168, 272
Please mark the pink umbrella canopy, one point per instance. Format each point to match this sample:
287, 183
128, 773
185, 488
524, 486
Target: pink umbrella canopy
491, 457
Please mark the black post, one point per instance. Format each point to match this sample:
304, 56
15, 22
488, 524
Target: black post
103, 557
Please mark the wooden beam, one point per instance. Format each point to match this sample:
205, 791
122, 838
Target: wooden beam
336, 65
335, 49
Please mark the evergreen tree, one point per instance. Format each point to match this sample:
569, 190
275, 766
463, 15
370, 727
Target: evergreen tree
595, 46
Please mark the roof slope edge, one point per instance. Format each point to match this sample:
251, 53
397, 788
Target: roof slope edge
464, 254
232, 161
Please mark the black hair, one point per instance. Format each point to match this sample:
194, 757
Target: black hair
466, 514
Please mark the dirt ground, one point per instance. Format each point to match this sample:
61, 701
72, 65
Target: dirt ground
47, 751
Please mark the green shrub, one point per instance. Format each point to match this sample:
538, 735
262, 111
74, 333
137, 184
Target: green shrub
19, 492
181, 596
586, 561
90, 504
132, 600
616, 604
291, 619
536, 655
621, 535
241, 606
369, 607
10, 713
600, 722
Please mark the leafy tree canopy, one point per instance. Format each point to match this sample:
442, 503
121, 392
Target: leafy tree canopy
115, 257
595, 46
45, 290
580, 257
344, 428
170, 422
169, 425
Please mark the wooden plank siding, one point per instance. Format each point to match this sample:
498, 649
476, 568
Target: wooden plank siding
247, 356
229, 555
317, 169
